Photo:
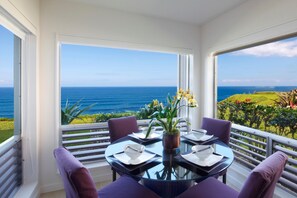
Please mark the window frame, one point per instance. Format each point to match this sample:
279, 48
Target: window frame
11, 149
185, 64
214, 57
18, 63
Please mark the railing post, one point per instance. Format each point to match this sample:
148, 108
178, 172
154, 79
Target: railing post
269, 146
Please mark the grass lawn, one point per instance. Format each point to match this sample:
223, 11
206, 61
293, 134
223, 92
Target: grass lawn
5, 134
261, 98
6, 129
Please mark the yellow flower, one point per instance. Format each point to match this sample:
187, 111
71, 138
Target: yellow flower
188, 96
180, 94
193, 102
155, 102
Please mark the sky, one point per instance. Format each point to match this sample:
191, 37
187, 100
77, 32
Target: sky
273, 64
83, 66
6, 58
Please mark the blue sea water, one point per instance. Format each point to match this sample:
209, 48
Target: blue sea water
120, 99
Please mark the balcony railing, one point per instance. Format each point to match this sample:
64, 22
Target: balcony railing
10, 166
88, 142
250, 146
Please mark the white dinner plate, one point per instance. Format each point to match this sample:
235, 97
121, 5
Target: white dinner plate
125, 159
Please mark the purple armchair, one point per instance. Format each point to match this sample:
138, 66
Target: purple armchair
78, 182
121, 127
221, 129
260, 183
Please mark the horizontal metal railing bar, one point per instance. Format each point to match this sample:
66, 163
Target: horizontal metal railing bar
81, 127
101, 125
292, 186
7, 165
247, 157
287, 151
74, 135
5, 175
289, 142
237, 131
291, 169
248, 145
248, 151
10, 189
240, 160
85, 152
292, 161
264, 134
9, 154
8, 144
248, 138
102, 144
8, 183
92, 157
97, 139
289, 177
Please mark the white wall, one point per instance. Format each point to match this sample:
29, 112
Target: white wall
26, 12
84, 23
25, 16
251, 22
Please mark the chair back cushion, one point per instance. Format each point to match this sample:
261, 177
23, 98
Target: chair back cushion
262, 180
216, 127
121, 127
77, 180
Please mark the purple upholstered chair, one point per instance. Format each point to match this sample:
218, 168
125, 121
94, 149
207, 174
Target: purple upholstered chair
260, 183
78, 182
121, 127
220, 129
216, 127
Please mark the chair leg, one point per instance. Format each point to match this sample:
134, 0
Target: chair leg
225, 178
114, 175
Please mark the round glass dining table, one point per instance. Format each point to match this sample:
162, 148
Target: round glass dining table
168, 173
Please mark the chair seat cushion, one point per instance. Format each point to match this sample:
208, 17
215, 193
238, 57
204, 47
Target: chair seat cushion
126, 187
210, 188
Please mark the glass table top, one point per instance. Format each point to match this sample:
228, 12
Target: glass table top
168, 166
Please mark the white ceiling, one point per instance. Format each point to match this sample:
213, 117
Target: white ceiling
189, 11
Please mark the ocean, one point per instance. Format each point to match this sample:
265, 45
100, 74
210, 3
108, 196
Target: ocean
121, 99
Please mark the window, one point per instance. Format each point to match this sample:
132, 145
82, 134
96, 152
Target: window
10, 112
111, 82
115, 82
257, 87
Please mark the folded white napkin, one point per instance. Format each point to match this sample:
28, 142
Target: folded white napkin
125, 159
211, 160
152, 135
197, 136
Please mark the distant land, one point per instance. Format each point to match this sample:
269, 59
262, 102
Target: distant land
260, 98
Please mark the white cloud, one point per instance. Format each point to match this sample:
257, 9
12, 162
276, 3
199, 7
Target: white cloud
282, 49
